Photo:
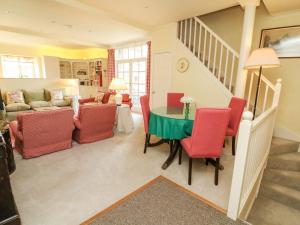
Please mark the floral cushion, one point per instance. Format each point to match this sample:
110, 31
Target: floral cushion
14, 97
57, 94
99, 97
15, 107
112, 99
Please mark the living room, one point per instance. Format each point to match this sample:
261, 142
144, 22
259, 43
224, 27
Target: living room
101, 100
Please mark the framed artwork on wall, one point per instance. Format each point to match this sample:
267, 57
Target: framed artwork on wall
284, 40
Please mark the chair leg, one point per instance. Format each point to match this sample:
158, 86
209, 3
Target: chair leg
233, 145
217, 167
224, 144
180, 154
206, 161
147, 140
190, 170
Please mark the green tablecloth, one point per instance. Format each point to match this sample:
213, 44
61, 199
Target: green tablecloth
169, 123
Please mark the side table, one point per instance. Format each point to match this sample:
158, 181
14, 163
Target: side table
124, 119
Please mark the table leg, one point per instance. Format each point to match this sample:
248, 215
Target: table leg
174, 145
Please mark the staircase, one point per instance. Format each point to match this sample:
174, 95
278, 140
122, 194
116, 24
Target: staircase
278, 201
216, 55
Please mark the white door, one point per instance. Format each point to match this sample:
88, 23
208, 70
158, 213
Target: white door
161, 78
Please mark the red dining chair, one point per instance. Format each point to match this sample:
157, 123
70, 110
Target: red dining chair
237, 106
173, 100
144, 100
207, 138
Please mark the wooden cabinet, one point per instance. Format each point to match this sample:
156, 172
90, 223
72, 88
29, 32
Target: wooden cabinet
90, 72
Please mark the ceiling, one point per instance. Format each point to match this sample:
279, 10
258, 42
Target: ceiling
280, 6
93, 23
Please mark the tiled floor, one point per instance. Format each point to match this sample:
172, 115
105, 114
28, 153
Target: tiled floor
68, 187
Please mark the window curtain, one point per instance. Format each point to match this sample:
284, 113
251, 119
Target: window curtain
110, 65
148, 68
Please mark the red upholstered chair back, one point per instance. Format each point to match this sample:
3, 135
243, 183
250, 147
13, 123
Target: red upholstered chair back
173, 99
237, 106
209, 132
97, 118
144, 100
46, 127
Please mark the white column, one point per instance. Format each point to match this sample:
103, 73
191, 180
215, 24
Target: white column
246, 42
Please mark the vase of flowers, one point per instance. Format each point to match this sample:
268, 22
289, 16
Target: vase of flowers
186, 100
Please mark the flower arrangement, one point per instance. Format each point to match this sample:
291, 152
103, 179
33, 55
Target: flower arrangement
187, 101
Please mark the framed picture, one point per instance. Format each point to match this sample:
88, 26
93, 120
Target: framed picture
284, 40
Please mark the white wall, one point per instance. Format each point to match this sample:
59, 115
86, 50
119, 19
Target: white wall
196, 81
50, 67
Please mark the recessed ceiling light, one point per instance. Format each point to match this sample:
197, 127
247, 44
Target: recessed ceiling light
90, 31
53, 21
68, 26
146, 7
7, 12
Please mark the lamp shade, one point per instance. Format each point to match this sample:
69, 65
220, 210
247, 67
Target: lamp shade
262, 57
117, 84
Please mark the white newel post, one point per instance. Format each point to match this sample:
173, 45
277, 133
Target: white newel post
246, 42
239, 165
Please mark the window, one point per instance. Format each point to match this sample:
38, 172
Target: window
19, 67
131, 64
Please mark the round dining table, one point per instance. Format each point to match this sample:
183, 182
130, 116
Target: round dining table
171, 125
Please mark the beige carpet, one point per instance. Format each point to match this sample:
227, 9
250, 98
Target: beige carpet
162, 202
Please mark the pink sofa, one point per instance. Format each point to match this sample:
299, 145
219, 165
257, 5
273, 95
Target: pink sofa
94, 122
39, 133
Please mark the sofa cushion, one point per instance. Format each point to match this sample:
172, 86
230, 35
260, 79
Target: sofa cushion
57, 94
15, 107
39, 104
31, 96
112, 99
99, 96
14, 97
61, 103
105, 98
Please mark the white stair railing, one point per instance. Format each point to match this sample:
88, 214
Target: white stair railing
253, 146
219, 58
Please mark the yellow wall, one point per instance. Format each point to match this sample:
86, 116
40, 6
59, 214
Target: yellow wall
228, 24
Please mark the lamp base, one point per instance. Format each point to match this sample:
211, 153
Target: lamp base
118, 99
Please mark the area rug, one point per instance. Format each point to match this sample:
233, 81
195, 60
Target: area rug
162, 202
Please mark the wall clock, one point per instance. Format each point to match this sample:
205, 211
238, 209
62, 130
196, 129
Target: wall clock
182, 65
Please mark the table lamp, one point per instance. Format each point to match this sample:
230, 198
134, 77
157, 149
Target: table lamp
118, 85
259, 59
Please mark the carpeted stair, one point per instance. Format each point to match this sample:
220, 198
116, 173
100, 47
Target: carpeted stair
278, 201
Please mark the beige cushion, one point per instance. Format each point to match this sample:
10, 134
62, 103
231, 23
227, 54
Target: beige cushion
14, 97
111, 99
61, 103
99, 96
38, 104
57, 94
14, 107
31, 96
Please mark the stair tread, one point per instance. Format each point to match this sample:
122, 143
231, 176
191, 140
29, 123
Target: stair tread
269, 212
282, 146
293, 156
281, 141
280, 189
288, 173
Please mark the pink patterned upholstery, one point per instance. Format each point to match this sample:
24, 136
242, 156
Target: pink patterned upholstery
39, 133
173, 100
237, 106
208, 133
94, 123
144, 100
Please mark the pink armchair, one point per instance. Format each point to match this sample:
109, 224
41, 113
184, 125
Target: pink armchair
39, 133
94, 122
